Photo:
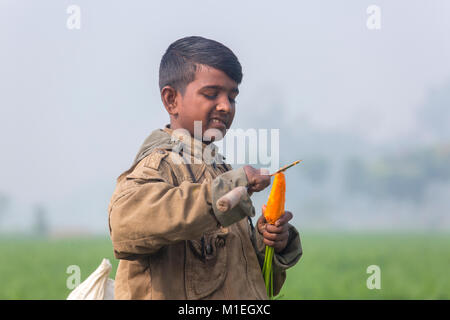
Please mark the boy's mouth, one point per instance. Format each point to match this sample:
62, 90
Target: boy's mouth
218, 123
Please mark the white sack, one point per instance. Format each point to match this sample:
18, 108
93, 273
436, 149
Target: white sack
97, 286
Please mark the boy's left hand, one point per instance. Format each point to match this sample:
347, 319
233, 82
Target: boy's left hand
275, 235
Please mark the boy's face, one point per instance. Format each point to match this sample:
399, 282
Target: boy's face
210, 98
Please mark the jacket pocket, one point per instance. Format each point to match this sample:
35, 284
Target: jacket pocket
206, 264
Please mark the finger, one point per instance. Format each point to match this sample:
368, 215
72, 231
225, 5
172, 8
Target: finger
261, 185
261, 220
268, 180
261, 224
275, 236
287, 216
265, 182
274, 244
284, 218
269, 243
270, 236
274, 229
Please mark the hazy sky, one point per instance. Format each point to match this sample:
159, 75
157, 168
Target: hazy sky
76, 104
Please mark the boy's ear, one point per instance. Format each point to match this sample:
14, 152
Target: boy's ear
169, 97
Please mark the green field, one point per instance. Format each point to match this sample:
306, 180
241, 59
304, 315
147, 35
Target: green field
413, 266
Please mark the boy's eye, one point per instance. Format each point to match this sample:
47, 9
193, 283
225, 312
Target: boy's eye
213, 97
210, 97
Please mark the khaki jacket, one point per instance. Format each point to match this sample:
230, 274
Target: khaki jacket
172, 241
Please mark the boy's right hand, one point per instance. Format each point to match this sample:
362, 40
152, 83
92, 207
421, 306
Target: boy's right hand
258, 179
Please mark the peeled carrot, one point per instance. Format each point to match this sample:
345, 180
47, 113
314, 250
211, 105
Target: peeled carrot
274, 210
275, 204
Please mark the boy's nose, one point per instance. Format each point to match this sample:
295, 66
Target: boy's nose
224, 106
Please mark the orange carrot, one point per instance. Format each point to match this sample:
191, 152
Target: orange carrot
275, 204
274, 210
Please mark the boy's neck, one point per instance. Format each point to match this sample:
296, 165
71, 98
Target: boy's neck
196, 147
171, 127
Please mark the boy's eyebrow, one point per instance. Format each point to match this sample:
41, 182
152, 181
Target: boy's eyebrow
217, 87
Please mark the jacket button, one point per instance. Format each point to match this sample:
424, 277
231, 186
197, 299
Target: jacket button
220, 242
208, 249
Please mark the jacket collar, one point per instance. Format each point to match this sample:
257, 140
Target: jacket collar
199, 151
178, 141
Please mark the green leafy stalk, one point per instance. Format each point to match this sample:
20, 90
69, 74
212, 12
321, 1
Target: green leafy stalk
268, 271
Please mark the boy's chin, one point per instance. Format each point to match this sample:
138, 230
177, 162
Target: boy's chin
213, 134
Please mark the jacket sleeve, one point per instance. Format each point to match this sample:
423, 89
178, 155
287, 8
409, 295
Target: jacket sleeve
282, 260
147, 212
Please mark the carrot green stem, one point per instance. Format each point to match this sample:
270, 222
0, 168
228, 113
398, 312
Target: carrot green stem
268, 271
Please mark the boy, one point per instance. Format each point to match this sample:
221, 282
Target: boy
171, 239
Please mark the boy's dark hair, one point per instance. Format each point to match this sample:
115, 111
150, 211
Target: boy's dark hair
178, 64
